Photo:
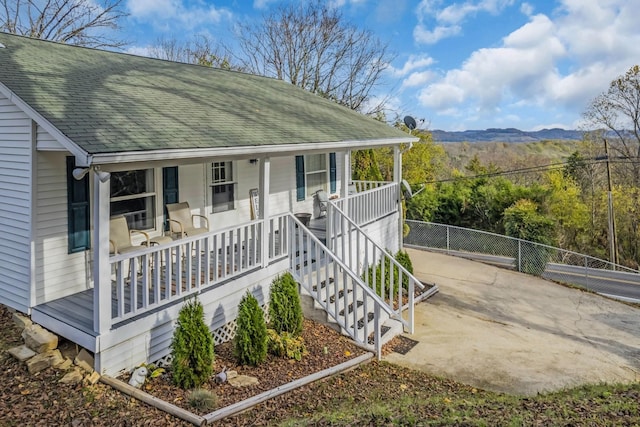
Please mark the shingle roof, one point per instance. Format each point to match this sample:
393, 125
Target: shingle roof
108, 102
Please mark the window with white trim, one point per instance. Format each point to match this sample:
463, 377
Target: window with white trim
133, 195
315, 171
222, 186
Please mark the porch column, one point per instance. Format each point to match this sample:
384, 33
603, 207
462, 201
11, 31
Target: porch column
263, 203
101, 267
397, 178
345, 177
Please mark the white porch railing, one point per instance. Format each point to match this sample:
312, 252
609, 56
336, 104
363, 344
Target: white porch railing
155, 276
372, 204
378, 268
368, 185
336, 288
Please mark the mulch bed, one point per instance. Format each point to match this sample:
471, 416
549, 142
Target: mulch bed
326, 348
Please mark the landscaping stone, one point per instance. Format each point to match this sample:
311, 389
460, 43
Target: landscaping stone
243, 381
42, 361
66, 364
84, 360
39, 339
21, 321
92, 378
73, 377
22, 353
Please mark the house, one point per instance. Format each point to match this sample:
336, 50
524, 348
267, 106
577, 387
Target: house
87, 136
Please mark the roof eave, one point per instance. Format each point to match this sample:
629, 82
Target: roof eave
83, 158
244, 151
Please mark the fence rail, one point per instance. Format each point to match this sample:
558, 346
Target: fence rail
371, 203
528, 257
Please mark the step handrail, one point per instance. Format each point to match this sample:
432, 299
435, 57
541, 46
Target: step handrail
379, 303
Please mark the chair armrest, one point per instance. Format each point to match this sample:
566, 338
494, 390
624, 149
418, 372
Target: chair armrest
145, 234
180, 227
112, 247
206, 220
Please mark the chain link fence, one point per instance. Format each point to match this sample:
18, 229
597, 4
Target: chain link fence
528, 257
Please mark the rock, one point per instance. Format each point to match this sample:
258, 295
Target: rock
73, 377
92, 378
66, 364
84, 360
42, 361
21, 321
231, 374
22, 353
39, 339
243, 381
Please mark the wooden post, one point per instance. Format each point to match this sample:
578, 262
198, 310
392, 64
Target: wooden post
101, 266
397, 178
613, 246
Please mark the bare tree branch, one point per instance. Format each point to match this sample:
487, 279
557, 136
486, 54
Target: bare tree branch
80, 22
311, 46
199, 50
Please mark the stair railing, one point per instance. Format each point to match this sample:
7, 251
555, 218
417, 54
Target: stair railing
339, 291
378, 268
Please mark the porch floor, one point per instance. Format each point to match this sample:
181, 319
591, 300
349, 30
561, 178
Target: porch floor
75, 310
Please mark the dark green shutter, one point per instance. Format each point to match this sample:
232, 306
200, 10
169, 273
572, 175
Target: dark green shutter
300, 177
332, 172
78, 214
169, 189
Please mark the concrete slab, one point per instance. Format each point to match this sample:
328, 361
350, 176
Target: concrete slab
505, 331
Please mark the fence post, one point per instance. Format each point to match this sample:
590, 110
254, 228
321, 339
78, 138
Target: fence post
520, 255
447, 239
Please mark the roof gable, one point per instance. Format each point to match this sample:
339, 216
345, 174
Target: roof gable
108, 102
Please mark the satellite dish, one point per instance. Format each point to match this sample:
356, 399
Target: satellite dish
406, 189
410, 122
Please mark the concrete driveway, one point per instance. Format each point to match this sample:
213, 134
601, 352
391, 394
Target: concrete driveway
509, 332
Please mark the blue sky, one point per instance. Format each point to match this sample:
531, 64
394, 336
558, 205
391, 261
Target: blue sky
462, 65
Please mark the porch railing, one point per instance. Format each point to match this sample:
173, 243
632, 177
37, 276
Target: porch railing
362, 185
378, 268
151, 277
372, 204
341, 292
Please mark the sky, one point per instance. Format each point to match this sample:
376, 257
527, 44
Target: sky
464, 65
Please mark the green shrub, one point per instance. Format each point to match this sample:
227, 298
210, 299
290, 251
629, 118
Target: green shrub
202, 399
285, 345
250, 342
404, 260
285, 312
383, 282
192, 347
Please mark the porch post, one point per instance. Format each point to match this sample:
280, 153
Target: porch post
345, 176
397, 178
101, 268
263, 202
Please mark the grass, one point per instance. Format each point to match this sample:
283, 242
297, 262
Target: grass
385, 394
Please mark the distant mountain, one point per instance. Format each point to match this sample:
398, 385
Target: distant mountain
505, 135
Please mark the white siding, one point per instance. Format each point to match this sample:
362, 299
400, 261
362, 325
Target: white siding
149, 339
58, 273
15, 206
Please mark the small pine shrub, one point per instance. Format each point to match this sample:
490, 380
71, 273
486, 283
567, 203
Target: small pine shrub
250, 342
203, 400
404, 260
383, 281
285, 310
286, 345
192, 347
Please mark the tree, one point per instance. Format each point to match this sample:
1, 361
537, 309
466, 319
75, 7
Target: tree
192, 347
200, 50
310, 45
617, 113
80, 22
250, 342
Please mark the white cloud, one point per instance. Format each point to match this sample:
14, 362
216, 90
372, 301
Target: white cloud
417, 79
446, 22
176, 14
139, 50
413, 63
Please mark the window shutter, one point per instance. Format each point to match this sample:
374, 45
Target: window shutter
300, 177
78, 214
169, 190
332, 172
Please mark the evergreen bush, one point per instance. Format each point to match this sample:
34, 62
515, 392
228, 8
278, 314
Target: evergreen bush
192, 347
285, 345
404, 260
250, 342
285, 311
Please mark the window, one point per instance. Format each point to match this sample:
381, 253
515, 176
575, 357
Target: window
222, 186
311, 174
133, 195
